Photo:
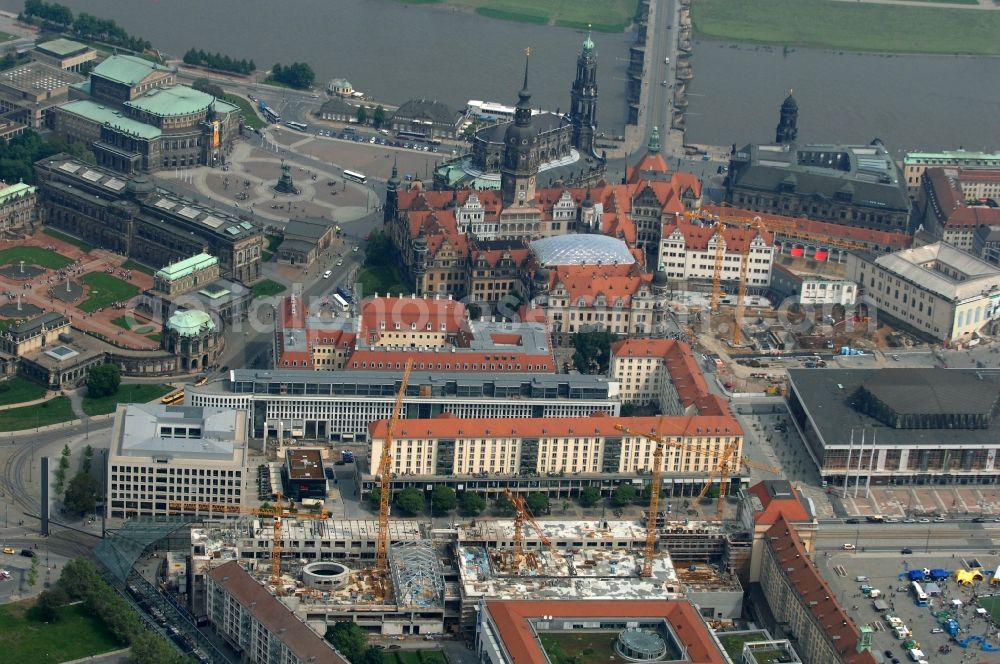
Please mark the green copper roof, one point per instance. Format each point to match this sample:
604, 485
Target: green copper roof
186, 266
190, 323
224, 107
176, 101
588, 43
105, 115
62, 47
127, 69
15, 191
654, 140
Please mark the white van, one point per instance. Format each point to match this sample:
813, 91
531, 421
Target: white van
848, 547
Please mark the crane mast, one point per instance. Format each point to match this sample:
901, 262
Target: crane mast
385, 475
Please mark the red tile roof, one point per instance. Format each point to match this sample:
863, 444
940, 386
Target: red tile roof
590, 281
698, 237
950, 205
412, 313
778, 507
781, 223
812, 590
306, 645
512, 617
598, 424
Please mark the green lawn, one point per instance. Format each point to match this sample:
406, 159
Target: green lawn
992, 604
79, 633
85, 247
105, 290
382, 280
5, 36
250, 117
266, 288
138, 267
19, 390
580, 647
36, 255
603, 15
850, 26
733, 644
133, 393
414, 657
48, 412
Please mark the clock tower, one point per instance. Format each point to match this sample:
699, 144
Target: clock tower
519, 168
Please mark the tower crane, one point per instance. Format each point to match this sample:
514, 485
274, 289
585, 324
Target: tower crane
385, 476
277, 513
720, 254
754, 224
730, 460
521, 515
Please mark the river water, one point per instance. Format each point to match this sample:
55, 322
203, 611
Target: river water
397, 52
911, 102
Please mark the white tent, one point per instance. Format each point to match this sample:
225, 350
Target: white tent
956, 603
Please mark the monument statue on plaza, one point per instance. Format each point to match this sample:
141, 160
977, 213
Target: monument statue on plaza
285, 184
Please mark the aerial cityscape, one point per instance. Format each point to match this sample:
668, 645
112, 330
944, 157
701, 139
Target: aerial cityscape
500, 332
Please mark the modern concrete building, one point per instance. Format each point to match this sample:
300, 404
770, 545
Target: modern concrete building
30, 92
557, 455
898, 426
258, 625
811, 288
804, 606
512, 631
66, 54
339, 405
936, 291
131, 216
303, 474
161, 454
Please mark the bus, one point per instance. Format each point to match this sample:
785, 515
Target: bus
340, 303
301, 126
411, 135
270, 114
342, 292
355, 176
919, 596
173, 398
201, 380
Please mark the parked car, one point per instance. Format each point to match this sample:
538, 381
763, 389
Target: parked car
848, 547
906, 550
853, 521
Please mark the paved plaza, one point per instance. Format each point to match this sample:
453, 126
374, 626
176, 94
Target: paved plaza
883, 571
45, 292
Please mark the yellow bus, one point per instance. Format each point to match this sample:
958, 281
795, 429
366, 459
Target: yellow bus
173, 398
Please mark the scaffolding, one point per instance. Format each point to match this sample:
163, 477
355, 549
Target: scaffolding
416, 575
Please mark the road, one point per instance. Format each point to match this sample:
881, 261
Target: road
950, 535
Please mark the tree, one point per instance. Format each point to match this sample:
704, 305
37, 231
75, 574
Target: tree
378, 117
103, 380
503, 506
590, 496
593, 351
82, 493
375, 498
297, 75
410, 500
472, 503
61, 469
348, 638
88, 459
362, 115
443, 499
474, 311
538, 503
623, 495
51, 604
33, 572
151, 648
209, 88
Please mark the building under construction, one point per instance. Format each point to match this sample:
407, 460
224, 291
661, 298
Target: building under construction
437, 578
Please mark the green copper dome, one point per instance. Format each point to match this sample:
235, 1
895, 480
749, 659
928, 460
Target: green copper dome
588, 43
190, 323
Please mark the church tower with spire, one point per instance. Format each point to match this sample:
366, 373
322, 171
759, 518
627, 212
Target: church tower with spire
583, 99
787, 130
391, 196
519, 167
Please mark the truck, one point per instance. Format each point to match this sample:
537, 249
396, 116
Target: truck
916, 654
